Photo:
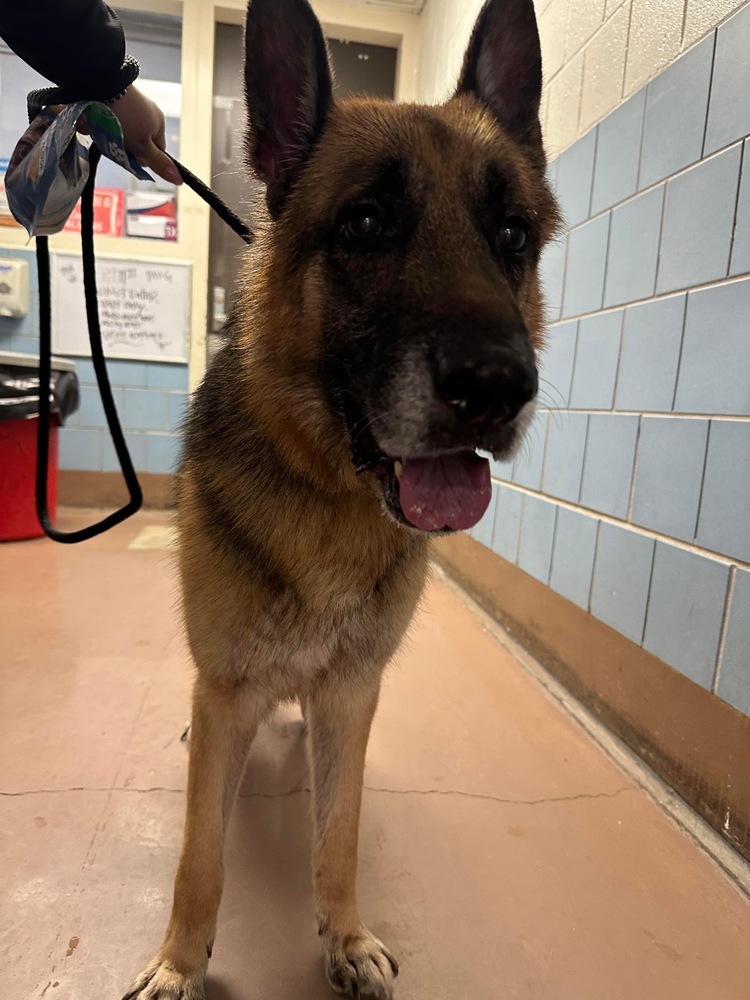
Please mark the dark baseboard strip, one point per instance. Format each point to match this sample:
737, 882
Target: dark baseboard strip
696, 742
107, 489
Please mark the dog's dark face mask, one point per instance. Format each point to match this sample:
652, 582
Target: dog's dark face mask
419, 232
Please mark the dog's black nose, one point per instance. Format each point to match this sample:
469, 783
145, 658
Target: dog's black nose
489, 392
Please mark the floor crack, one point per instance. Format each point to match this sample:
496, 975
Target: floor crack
82, 788
457, 792
500, 799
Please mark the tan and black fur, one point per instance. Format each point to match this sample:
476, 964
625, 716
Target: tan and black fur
299, 577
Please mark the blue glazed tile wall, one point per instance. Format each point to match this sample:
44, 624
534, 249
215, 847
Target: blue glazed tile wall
676, 105
686, 610
608, 466
632, 496
669, 475
151, 400
734, 678
696, 239
597, 357
618, 155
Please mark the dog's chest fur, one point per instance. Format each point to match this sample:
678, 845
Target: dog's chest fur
285, 635
297, 581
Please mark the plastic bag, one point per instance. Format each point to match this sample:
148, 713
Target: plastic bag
19, 393
50, 165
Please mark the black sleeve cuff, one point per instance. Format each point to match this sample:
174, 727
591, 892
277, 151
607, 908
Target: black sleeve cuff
127, 75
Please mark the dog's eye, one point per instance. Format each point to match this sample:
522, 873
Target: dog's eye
514, 235
363, 223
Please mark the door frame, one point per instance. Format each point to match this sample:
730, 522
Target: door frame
348, 22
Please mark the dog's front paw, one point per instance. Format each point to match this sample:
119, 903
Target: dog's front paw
359, 965
161, 981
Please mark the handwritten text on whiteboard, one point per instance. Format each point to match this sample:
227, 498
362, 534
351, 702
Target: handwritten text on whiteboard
144, 308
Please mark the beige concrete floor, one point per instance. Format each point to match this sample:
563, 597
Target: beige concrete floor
503, 855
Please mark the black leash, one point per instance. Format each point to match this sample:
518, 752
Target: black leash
97, 354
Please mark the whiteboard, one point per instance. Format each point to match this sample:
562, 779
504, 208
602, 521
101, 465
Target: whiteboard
144, 307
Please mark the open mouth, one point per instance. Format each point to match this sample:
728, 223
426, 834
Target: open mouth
448, 492
438, 493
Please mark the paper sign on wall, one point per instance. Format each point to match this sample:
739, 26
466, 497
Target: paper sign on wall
109, 207
6, 216
144, 307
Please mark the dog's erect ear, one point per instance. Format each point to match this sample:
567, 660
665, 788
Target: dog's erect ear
503, 67
288, 87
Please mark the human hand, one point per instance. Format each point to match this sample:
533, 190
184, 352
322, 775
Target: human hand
143, 130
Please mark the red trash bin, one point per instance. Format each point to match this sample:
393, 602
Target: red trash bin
17, 478
18, 437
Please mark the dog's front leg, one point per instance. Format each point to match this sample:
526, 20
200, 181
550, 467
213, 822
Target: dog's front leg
339, 719
224, 723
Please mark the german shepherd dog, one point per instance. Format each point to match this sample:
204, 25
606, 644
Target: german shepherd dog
386, 329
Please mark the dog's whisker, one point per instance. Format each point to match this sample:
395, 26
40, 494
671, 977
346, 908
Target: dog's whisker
562, 404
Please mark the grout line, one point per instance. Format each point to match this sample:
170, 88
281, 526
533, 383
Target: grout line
648, 596
566, 237
673, 293
587, 42
558, 242
644, 119
627, 52
664, 198
682, 30
580, 88
515, 460
631, 497
684, 26
658, 536
593, 171
496, 497
679, 356
518, 534
520, 530
569, 56
583, 458
564, 273
593, 567
704, 836
567, 60
621, 345
569, 396
703, 480
544, 454
610, 226
710, 87
552, 553
552, 548
724, 629
656, 184
736, 208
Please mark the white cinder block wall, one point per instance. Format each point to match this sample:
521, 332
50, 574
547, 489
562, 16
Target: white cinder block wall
596, 52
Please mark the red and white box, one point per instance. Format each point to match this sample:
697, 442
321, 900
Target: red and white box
151, 214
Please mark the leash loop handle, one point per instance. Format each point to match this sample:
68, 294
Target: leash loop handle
100, 368
130, 476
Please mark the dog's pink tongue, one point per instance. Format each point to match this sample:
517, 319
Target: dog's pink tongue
452, 491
